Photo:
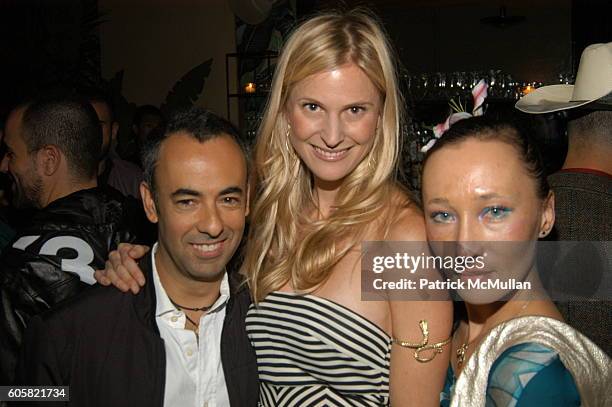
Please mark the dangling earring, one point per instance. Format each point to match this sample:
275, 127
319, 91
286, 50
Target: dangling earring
287, 138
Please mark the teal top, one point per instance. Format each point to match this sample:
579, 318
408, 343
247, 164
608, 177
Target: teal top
525, 375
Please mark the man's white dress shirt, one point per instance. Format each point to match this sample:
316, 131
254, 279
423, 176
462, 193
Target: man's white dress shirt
194, 373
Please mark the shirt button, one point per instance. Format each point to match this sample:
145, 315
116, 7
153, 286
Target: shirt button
174, 319
189, 352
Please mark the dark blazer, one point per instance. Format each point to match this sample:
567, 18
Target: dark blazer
106, 346
582, 204
583, 201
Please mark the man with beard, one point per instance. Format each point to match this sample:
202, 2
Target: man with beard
52, 150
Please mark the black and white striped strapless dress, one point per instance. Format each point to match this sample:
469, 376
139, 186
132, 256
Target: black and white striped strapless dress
314, 352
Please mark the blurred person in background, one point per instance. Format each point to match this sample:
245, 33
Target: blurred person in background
120, 174
146, 119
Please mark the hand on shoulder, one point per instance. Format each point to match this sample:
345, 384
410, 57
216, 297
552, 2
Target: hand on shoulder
121, 269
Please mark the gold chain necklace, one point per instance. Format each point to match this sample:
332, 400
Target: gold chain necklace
461, 350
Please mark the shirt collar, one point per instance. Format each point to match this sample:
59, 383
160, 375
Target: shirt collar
164, 305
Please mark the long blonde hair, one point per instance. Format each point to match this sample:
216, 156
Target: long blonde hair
283, 244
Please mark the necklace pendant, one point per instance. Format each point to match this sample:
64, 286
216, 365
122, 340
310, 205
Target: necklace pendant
461, 354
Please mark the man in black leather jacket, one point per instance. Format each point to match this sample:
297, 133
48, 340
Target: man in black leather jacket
53, 145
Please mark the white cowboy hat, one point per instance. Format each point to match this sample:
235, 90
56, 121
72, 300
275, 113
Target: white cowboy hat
593, 83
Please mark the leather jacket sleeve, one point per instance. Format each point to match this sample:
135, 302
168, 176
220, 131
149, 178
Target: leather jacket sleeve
29, 284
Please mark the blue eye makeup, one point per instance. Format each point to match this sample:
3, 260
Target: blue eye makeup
495, 212
442, 217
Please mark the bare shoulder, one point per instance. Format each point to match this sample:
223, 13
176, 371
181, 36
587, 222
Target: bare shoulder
408, 223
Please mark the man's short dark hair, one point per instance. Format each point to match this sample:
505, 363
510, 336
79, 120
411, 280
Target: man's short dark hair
71, 124
196, 122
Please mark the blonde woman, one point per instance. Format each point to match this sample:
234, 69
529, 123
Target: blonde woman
325, 164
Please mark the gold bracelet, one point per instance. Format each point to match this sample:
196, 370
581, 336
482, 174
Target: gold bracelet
423, 346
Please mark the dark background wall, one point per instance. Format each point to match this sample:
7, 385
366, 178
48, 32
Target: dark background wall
448, 35
591, 23
156, 41
452, 38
